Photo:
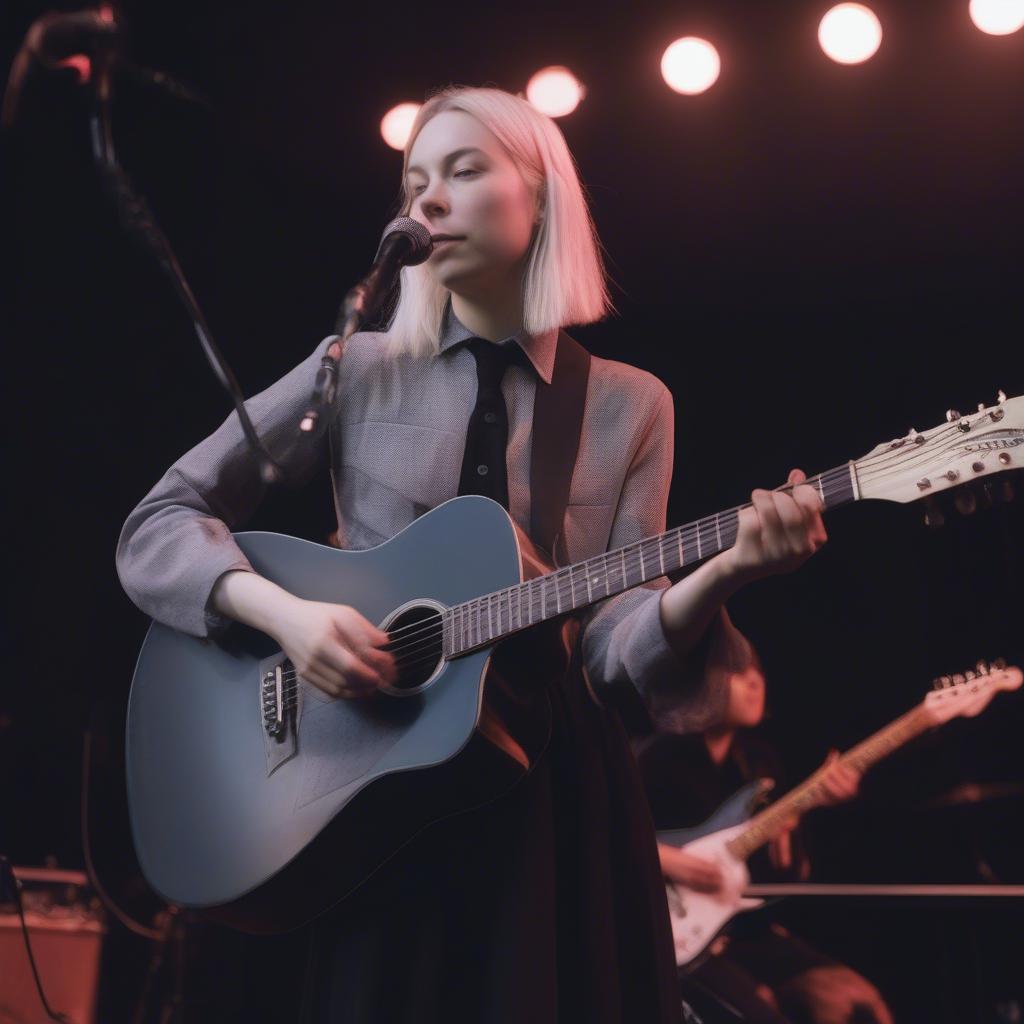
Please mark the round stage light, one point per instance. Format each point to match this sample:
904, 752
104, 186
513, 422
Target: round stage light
396, 124
555, 91
850, 33
998, 17
690, 65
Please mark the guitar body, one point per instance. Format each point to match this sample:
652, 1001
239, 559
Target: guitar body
698, 917
227, 818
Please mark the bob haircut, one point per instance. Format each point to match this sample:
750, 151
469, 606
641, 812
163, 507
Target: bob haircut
564, 281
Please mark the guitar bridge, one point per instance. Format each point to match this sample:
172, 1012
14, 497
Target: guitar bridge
274, 711
280, 694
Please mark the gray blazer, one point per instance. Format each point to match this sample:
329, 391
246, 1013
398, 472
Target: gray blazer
398, 434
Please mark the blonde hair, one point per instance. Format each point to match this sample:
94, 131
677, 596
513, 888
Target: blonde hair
564, 281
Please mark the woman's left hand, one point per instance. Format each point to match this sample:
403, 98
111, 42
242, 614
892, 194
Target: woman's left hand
778, 532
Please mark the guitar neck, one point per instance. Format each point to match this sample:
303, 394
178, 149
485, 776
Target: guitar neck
485, 620
772, 820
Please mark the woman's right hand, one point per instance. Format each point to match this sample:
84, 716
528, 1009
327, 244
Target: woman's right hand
334, 647
690, 869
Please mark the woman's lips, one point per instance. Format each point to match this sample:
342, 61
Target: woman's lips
442, 242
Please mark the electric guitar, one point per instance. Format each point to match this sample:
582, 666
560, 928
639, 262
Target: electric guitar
245, 783
728, 838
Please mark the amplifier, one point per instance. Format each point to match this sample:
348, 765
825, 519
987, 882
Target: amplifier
66, 927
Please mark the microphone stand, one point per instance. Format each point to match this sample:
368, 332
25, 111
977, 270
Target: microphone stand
405, 242
137, 218
355, 309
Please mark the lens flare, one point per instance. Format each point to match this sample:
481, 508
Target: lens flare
850, 33
997, 17
690, 65
396, 124
555, 91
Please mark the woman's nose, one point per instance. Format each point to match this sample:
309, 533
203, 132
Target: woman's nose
434, 203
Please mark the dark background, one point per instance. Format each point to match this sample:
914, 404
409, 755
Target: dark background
813, 257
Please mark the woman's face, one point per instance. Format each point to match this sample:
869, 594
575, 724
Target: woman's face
463, 184
746, 698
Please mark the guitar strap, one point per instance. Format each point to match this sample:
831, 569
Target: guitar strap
557, 424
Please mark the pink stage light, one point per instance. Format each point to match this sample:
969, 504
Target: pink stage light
850, 33
997, 17
396, 124
690, 65
555, 91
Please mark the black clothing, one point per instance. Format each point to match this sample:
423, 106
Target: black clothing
545, 906
484, 469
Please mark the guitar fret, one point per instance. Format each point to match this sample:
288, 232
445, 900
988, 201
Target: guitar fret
661, 557
718, 533
709, 544
679, 542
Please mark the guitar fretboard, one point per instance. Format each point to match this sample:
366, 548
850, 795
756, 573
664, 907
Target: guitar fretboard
772, 820
485, 620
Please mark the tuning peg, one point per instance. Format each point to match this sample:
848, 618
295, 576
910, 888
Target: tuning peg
941, 682
965, 501
999, 664
933, 514
1000, 396
952, 414
982, 667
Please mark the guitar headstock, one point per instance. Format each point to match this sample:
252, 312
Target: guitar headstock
969, 693
962, 449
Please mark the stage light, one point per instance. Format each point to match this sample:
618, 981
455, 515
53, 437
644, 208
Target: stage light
998, 17
850, 33
396, 124
555, 91
690, 65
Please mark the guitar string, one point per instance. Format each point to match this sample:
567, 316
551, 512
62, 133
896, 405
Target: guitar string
687, 532
566, 581
430, 630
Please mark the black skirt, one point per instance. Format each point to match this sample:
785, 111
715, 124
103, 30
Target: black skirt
545, 906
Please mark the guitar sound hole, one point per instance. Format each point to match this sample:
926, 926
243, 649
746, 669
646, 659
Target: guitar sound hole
416, 644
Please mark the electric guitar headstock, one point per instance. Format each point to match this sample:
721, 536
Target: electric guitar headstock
962, 449
968, 694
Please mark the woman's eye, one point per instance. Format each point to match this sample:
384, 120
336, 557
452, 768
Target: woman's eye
417, 189
466, 172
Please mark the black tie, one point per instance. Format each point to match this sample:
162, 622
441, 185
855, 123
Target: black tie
483, 464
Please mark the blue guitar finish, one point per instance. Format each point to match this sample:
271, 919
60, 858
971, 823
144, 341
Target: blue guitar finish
735, 810
225, 817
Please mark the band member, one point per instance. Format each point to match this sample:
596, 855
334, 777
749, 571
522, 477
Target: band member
548, 904
759, 968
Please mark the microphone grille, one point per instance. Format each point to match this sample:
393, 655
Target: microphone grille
417, 233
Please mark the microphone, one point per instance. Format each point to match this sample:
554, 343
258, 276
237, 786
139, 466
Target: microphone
405, 243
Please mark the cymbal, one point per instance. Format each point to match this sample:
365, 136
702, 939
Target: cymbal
968, 793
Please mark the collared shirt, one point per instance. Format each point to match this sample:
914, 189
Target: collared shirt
398, 435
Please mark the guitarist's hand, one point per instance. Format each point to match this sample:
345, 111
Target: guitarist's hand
778, 533
839, 782
689, 869
334, 647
